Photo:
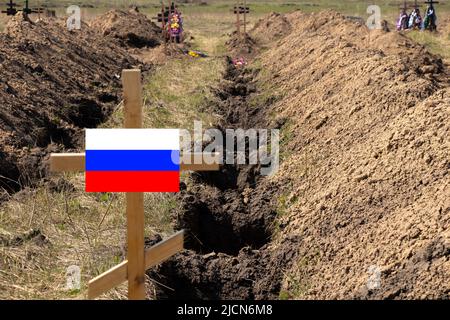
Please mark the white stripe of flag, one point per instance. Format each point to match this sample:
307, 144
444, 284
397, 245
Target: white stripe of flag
132, 139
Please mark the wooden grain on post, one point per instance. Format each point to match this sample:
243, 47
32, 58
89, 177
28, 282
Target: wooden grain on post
164, 250
188, 162
132, 96
76, 162
238, 21
153, 256
245, 17
107, 280
135, 236
63, 162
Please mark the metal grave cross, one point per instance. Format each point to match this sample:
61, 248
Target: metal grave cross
431, 2
138, 259
11, 10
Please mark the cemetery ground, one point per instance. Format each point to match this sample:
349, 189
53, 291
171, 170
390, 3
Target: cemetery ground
179, 91
314, 229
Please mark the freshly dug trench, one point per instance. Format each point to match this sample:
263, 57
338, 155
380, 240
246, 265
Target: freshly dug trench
252, 274
229, 217
226, 220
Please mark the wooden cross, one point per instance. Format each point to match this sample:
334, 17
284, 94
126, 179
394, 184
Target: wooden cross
27, 9
245, 16
11, 9
405, 6
238, 10
138, 259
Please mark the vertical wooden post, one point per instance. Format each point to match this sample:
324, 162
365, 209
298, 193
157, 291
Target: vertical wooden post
238, 20
245, 17
169, 22
163, 22
132, 95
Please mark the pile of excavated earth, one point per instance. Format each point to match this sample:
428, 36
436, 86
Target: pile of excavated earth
128, 29
55, 82
366, 122
360, 207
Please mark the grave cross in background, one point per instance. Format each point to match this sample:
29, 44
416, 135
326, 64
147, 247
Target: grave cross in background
238, 10
138, 259
245, 10
405, 6
11, 8
27, 9
430, 16
431, 2
163, 16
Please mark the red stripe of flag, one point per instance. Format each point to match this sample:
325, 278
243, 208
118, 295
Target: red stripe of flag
132, 181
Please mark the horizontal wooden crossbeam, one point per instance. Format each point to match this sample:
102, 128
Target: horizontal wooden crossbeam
197, 162
75, 162
67, 162
153, 256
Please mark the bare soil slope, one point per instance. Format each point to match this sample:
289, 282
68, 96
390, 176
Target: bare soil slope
363, 189
241, 45
130, 29
365, 171
272, 27
53, 83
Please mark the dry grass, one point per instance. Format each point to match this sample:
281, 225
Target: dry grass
437, 43
86, 230
89, 230
80, 229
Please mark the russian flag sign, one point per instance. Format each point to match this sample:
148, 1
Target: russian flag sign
132, 160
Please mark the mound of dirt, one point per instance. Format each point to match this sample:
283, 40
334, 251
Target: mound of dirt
130, 29
273, 27
242, 45
53, 83
365, 144
446, 27
360, 206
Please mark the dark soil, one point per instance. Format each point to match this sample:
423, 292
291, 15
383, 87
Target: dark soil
229, 220
53, 84
129, 29
242, 46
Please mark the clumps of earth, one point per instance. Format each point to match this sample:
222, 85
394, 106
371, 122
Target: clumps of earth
229, 218
241, 45
360, 206
128, 28
273, 27
53, 84
366, 151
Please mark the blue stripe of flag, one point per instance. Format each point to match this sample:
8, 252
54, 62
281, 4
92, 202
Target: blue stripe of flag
132, 160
